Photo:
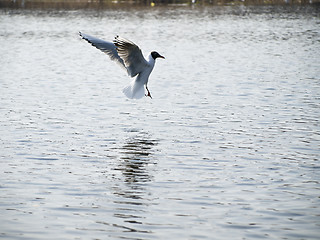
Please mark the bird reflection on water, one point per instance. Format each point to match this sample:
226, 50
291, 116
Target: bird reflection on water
135, 166
136, 155
132, 194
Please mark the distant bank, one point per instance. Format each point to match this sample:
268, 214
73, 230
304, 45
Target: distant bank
105, 4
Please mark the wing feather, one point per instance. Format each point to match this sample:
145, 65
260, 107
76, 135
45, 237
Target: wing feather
122, 51
131, 55
107, 47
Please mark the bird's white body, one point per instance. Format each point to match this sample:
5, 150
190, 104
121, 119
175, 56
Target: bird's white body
129, 56
136, 88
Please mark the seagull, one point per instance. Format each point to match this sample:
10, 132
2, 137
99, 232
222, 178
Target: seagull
130, 57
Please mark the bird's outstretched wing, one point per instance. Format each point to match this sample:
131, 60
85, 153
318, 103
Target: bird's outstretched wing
131, 55
123, 51
107, 47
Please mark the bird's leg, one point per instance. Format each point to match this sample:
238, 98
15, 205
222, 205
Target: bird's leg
148, 95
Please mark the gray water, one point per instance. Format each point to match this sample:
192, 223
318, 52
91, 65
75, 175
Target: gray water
228, 148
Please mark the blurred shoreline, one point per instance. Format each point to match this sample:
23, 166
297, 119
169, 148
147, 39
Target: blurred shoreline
109, 4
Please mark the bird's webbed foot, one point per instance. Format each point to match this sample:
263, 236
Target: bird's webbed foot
148, 95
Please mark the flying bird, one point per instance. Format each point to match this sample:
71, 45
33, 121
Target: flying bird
130, 57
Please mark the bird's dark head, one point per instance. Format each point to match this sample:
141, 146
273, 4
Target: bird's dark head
156, 55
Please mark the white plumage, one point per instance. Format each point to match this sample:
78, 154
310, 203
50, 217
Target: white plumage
130, 57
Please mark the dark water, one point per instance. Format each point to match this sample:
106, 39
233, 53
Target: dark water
228, 148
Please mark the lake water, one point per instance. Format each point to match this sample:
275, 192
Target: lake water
228, 148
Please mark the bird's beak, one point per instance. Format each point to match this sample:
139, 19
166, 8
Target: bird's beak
162, 57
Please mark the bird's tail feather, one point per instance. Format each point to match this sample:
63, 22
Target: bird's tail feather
134, 91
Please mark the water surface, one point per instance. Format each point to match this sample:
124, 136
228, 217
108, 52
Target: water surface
228, 148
